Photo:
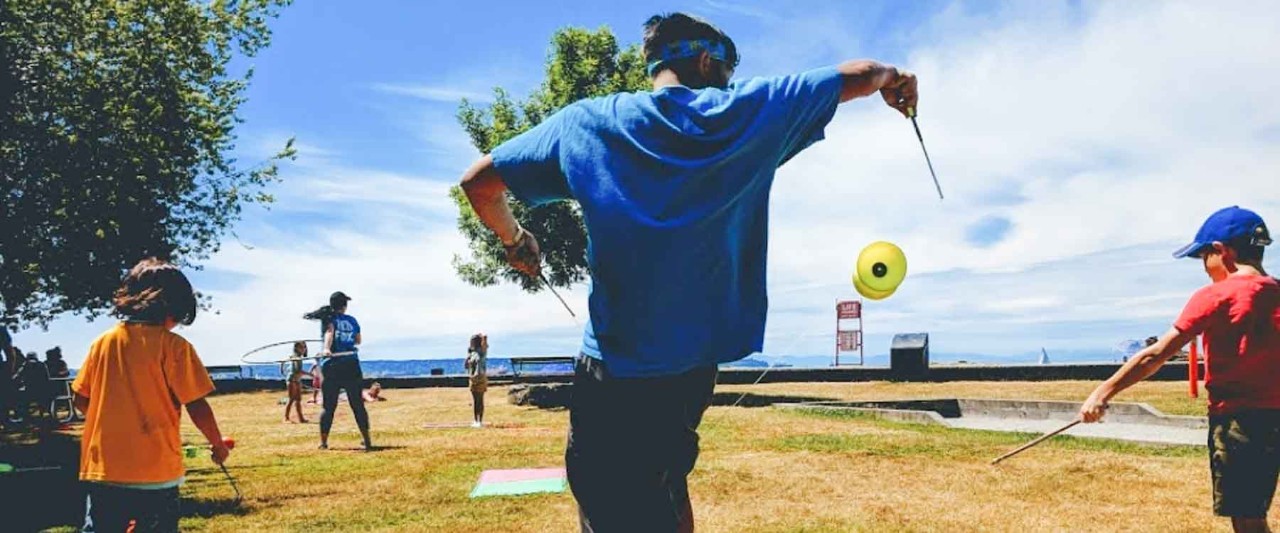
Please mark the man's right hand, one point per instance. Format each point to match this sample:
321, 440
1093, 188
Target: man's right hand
524, 254
219, 452
1093, 409
901, 93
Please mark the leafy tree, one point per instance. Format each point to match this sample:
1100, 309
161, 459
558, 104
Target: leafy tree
581, 64
116, 142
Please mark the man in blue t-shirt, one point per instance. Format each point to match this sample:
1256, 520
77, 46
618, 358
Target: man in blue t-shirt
674, 187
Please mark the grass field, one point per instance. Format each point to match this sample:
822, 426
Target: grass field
761, 469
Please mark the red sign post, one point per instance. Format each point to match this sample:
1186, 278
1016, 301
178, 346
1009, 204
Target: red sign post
849, 340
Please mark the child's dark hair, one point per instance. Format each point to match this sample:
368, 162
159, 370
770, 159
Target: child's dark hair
155, 290
474, 345
663, 29
1250, 248
302, 345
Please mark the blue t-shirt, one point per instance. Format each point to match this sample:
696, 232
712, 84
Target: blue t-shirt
674, 188
345, 329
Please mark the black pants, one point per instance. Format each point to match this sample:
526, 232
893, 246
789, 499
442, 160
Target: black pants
632, 443
343, 375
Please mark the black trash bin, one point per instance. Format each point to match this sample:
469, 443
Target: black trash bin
909, 355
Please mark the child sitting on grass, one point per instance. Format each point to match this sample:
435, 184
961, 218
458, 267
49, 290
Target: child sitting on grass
129, 388
1239, 316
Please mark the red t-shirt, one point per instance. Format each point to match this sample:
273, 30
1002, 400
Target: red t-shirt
1240, 320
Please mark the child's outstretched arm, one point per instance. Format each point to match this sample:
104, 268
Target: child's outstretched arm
202, 417
1139, 367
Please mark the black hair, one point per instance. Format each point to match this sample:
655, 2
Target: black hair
665, 28
1250, 248
324, 314
1248, 253
154, 290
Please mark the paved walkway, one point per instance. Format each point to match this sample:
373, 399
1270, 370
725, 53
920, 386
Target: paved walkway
1105, 430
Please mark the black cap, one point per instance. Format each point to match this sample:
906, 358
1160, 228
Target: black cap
339, 298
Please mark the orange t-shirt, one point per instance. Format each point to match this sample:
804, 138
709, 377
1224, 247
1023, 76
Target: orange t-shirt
137, 377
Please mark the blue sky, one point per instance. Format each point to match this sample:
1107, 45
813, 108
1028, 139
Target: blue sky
1078, 144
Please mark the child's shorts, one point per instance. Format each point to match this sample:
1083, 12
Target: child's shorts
110, 508
1244, 458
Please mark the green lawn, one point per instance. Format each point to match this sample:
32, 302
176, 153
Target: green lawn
761, 469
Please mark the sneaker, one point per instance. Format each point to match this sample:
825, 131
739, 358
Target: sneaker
324, 446
477, 424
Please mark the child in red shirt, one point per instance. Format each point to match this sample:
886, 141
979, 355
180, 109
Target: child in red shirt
1239, 316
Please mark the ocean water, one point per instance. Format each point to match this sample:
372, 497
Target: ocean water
413, 368
409, 368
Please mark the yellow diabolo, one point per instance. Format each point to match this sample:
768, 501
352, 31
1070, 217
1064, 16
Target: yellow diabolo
880, 269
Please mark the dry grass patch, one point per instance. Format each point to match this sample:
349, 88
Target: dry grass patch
761, 469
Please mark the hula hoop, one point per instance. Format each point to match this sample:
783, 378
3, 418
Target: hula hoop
245, 359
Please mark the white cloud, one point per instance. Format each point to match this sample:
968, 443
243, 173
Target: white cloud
449, 95
1117, 128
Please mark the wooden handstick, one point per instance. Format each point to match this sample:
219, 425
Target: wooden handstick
1038, 440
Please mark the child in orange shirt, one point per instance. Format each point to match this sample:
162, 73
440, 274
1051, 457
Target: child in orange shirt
130, 388
1239, 316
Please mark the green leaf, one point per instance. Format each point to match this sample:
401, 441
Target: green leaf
118, 140
581, 64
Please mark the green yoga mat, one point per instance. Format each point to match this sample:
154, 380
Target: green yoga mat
516, 482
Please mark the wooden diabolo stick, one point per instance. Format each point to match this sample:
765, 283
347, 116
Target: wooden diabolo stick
1038, 440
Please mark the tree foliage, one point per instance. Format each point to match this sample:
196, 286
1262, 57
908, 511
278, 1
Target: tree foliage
116, 142
581, 64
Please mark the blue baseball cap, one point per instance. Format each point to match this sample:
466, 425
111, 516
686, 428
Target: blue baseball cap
1226, 225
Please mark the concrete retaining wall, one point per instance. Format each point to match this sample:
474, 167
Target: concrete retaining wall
1086, 372
740, 376
900, 415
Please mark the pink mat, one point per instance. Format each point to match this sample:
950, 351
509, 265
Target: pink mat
523, 474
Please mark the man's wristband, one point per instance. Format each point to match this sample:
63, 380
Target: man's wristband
520, 233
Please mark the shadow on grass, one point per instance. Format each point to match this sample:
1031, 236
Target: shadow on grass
43, 499
54, 499
360, 449
214, 470
205, 508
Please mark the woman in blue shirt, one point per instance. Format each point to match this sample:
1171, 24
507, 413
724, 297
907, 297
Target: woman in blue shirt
341, 372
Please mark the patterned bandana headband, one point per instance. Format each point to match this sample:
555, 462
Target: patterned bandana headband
685, 49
